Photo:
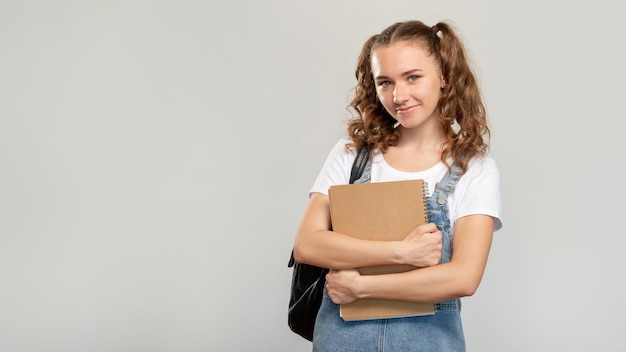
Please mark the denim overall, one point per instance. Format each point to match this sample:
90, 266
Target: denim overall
439, 332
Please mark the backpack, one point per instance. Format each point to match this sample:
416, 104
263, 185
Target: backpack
307, 282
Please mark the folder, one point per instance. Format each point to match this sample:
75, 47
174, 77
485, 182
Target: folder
385, 211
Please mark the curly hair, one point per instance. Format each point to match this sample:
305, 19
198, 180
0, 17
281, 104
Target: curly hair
460, 101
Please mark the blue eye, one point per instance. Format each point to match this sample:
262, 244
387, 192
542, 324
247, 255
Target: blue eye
413, 78
384, 84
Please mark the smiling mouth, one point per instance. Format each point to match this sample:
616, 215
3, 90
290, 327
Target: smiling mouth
404, 109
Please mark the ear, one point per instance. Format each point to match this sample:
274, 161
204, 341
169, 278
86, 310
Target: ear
443, 82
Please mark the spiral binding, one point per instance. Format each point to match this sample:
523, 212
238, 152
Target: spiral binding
425, 193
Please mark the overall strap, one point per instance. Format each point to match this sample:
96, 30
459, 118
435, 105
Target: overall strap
444, 187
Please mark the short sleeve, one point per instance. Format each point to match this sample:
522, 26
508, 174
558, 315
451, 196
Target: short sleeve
336, 168
480, 193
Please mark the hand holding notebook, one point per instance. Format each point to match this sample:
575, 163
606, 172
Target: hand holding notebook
423, 246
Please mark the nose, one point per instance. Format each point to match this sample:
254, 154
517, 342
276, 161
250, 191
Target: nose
399, 94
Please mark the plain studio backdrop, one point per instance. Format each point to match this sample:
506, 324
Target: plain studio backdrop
156, 157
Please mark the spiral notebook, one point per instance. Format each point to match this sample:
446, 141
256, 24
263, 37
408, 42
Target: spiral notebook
380, 211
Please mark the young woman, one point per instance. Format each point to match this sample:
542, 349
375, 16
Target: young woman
418, 106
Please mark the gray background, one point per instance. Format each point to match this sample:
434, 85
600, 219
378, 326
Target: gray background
155, 159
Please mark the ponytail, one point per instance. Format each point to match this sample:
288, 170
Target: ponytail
461, 101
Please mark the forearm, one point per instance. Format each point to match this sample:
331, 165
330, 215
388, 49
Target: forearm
426, 285
337, 251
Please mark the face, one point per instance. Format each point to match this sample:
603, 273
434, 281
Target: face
408, 83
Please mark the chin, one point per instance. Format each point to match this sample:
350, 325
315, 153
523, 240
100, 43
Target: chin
410, 124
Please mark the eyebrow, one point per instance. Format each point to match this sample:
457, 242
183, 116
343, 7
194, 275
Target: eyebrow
404, 74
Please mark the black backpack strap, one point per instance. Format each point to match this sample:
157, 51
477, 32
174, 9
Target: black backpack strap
358, 166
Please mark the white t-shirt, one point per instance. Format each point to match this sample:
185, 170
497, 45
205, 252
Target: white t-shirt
476, 192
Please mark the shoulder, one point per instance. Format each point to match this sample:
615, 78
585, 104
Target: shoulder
481, 178
341, 146
483, 162
481, 167
336, 168
341, 154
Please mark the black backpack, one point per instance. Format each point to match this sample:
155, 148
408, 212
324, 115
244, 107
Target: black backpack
307, 282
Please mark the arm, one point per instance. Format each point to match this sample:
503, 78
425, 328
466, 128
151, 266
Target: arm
460, 277
315, 244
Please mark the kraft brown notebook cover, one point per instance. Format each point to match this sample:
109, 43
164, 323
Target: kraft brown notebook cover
380, 211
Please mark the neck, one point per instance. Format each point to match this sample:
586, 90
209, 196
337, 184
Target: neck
422, 138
